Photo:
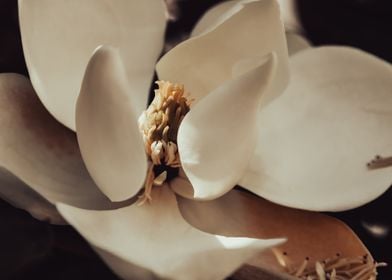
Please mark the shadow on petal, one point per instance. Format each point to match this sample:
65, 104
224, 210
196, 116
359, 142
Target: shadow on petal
40, 151
309, 234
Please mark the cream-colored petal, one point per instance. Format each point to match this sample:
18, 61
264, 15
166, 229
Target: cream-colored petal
316, 140
41, 152
248, 29
59, 36
106, 124
308, 234
296, 43
218, 13
290, 16
216, 138
156, 237
215, 16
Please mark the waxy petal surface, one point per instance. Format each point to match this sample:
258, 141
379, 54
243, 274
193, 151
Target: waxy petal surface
316, 140
248, 30
216, 138
59, 37
155, 237
107, 129
41, 152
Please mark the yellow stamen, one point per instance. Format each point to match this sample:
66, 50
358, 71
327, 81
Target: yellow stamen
159, 125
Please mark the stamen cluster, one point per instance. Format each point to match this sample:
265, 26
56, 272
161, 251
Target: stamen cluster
334, 268
159, 126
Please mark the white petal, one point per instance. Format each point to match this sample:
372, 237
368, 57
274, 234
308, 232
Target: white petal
107, 129
249, 29
289, 11
41, 152
217, 14
59, 36
316, 140
156, 237
296, 43
216, 138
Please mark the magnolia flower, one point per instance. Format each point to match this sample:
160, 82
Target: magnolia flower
307, 148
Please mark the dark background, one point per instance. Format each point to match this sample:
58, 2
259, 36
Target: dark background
30, 249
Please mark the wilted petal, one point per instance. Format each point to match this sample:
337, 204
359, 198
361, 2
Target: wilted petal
156, 237
308, 234
59, 36
41, 152
22, 196
248, 29
107, 128
316, 140
216, 138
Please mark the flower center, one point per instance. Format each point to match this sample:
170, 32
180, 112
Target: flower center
159, 125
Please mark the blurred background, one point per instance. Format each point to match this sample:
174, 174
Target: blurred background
30, 249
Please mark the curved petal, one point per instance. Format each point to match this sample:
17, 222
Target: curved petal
215, 17
230, 41
296, 43
59, 36
216, 138
42, 153
109, 138
316, 140
155, 237
308, 234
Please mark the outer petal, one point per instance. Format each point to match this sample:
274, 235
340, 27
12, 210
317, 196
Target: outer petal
41, 152
316, 140
22, 196
107, 129
309, 234
216, 138
59, 36
249, 29
155, 237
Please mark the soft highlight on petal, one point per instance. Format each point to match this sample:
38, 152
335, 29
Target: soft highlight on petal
316, 140
216, 138
59, 36
309, 234
248, 29
155, 237
41, 152
106, 124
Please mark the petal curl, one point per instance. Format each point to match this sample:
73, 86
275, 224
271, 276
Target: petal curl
156, 237
248, 29
106, 124
59, 36
41, 152
308, 234
216, 138
316, 140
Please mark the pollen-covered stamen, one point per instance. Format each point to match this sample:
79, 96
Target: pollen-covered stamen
159, 126
337, 267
